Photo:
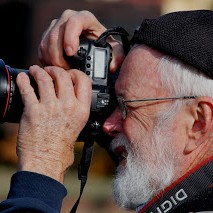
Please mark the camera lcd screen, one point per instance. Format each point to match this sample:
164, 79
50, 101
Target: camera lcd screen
99, 63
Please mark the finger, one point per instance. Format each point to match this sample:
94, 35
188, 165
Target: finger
82, 86
45, 84
27, 92
55, 45
52, 24
79, 23
43, 49
117, 58
51, 48
117, 54
63, 82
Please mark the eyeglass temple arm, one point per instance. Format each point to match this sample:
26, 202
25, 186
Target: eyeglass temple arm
157, 99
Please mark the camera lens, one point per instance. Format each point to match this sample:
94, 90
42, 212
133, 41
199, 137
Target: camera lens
4, 89
11, 106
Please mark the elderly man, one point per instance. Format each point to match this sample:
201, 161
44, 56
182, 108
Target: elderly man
162, 126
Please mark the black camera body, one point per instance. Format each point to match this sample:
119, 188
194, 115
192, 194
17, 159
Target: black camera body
94, 60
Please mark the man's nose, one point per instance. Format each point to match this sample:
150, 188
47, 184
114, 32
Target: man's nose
113, 124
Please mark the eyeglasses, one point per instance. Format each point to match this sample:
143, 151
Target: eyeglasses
122, 102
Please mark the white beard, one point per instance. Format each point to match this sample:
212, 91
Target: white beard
148, 169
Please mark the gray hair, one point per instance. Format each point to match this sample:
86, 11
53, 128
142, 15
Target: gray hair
181, 79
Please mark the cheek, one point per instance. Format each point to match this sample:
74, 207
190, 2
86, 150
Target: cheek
139, 135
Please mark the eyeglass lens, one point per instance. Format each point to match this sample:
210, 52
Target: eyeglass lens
122, 107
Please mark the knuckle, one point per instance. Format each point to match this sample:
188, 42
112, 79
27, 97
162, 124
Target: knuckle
71, 111
69, 105
68, 108
67, 13
55, 60
73, 21
26, 90
51, 110
87, 13
53, 22
61, 72
52, 106
45, 78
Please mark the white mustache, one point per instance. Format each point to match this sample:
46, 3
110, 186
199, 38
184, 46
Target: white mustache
120, 140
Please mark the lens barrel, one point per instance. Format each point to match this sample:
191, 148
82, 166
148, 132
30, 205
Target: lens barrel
4, 89
11, 106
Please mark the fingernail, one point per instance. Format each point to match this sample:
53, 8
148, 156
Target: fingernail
69, 51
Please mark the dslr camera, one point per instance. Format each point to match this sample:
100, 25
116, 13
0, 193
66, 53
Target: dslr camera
93, 58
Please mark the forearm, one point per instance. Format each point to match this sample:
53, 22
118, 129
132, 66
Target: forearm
33, 192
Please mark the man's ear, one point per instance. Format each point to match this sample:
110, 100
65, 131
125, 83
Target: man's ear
202, 125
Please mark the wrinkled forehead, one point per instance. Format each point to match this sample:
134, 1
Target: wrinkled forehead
138, 73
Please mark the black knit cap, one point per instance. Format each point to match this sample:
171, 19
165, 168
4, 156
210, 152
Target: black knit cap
187, 35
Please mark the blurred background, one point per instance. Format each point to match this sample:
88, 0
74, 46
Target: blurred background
22, 24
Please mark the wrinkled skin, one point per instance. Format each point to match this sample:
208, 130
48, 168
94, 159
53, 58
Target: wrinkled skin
50, 125
63, 34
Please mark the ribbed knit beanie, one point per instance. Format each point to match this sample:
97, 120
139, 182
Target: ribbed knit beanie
187, 35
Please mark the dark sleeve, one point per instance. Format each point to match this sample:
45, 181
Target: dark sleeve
32, 192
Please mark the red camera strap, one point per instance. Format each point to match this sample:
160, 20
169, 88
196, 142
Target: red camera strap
188, 186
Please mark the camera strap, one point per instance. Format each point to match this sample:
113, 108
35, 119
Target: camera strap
83, 169
119, 31
183, 191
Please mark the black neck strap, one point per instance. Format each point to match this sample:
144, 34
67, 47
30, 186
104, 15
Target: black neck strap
188, 186
83, 169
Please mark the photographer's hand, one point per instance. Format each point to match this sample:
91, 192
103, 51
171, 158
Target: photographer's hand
64, 33
50, 125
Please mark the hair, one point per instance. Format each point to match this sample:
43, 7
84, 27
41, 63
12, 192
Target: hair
182, 79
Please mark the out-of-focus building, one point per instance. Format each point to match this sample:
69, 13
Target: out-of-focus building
175, 5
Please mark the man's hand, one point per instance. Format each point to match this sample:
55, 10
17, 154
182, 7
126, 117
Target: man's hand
63, 34
51, 124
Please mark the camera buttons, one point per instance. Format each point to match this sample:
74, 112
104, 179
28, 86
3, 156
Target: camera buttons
88, 72
81, 52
